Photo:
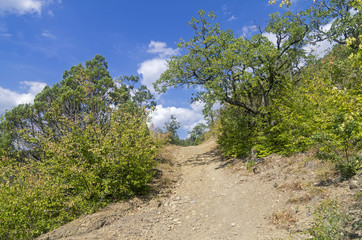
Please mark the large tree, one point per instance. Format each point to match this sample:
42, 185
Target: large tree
85, 91
243, 72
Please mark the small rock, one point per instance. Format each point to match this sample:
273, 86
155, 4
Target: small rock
353, 184
233, 224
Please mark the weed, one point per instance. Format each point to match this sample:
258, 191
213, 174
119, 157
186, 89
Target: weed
329, 222
250, 165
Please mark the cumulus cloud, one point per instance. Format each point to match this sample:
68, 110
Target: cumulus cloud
161, 49
187, 117
271, 36
249, 30
22, 7
10, 99
320, 48
152, 69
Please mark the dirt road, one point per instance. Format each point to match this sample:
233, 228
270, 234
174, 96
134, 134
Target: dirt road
210, 200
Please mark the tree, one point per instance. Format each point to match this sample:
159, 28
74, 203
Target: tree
335, 20
238, 71
83, 144
84, 91
197, 134
171, 127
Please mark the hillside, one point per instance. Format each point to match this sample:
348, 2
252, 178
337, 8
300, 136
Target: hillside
200, 195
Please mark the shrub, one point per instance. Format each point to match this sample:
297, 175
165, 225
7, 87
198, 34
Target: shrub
236, 132
81, 171
329, 222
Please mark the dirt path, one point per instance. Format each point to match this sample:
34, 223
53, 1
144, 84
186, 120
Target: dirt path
214, 203
209, 201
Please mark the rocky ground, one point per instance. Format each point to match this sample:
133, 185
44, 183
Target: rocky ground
200, 195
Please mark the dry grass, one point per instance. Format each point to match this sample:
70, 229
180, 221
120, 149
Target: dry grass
318, 192
296, 186
325, 171
300, 199
284, 218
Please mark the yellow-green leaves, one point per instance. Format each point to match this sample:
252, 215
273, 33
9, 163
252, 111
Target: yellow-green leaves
88, 144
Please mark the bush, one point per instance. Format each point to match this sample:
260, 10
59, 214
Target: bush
329, 222
236, 132
29, 203
83, 170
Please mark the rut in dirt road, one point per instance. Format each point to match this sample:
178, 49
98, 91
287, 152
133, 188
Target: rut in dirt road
209, 201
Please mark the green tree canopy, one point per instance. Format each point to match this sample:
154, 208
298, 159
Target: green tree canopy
171, 127
84, 91
243, 72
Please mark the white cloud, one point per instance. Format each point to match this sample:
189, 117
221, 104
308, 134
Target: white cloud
320, 48
249, 30
47, 34
271, 36
152, 69
161, 49
225, 10
10, 99
197, 106
22, 7
188, 118
232, 18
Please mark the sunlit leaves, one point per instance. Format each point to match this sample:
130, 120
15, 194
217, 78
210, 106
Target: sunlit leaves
89, 144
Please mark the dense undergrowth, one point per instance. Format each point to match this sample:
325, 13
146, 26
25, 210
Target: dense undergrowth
83, 144
277, 95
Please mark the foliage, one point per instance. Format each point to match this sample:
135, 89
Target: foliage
197, 134
342, 18
250, 165
235, 70
274, 98
29, 204
87, 150
236, 132
329, 222
248, 74
338, 123
91, 81
171, 127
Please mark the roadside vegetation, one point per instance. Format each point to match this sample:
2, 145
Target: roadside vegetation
85, 142
278, 96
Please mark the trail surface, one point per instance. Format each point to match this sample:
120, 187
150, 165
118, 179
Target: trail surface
209, 200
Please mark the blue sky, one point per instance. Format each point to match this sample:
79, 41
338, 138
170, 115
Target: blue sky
39, 39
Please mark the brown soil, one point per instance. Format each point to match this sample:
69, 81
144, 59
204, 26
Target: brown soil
201, 195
